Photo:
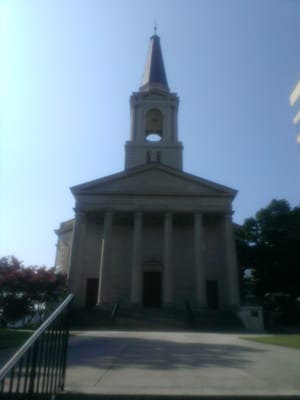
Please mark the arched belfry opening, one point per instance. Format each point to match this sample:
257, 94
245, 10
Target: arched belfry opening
154, 125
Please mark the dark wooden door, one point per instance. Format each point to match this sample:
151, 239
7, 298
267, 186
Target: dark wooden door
152, 289
212, 294
91, 292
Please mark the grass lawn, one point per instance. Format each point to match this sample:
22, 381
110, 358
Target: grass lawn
13, 337
278, 340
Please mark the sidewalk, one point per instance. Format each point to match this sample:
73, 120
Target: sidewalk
6, 354
179, 363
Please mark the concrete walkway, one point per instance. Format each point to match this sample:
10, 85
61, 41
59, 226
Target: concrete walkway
179, 363
6, 354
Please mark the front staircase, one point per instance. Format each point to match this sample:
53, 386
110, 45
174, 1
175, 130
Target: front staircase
156, 320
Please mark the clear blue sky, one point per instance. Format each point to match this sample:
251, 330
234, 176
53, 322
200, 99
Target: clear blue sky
68, 67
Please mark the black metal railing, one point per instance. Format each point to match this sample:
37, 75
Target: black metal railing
189, 312
37, 370
115, 311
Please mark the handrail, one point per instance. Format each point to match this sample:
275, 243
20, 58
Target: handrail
16, 357
38, 367
189, 311
115, 310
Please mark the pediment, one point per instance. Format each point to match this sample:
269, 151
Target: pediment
153, 179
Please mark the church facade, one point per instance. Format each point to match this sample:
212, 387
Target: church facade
152, 235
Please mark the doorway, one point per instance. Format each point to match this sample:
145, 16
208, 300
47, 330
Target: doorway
91, 292
152, 289
212, 293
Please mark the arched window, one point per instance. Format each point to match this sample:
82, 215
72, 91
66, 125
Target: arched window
154, 125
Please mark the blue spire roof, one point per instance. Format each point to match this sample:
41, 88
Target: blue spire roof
154, 72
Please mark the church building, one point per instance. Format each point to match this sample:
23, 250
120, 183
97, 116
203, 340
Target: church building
152, 235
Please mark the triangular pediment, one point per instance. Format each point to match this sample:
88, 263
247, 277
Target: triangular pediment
153, 179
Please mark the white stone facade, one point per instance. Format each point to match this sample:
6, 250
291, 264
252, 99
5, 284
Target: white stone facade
154, 219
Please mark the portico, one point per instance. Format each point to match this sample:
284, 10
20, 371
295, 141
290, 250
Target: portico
184, 246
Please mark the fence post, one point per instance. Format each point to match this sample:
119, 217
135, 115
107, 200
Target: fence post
33, 369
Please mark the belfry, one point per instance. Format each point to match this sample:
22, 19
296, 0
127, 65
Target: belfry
154, 136
151, 236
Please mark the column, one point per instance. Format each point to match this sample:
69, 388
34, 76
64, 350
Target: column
133, 122
136, 268
174, 123
76, 278
140, 127
167, 123
230, 261
168, 266
104, 284
199, 261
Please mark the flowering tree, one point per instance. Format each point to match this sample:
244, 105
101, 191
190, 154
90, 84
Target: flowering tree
24, 291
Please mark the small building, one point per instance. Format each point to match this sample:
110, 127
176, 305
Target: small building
64, 245
153, 235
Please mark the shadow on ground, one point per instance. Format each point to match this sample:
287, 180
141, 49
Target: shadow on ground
149, 353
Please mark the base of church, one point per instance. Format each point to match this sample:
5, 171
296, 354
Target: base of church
163, 319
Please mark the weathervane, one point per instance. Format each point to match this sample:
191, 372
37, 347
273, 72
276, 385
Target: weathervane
155, 26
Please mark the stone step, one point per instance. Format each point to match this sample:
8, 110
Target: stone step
82, 396
153, 319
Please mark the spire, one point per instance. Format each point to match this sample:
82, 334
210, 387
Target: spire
154, 72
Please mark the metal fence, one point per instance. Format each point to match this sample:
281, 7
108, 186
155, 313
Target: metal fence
37, 370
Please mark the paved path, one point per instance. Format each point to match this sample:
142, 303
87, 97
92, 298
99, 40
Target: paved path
6, 354
179, 363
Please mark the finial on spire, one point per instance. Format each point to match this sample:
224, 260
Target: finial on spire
155, 26
154, 72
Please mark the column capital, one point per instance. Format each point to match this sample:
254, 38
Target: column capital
198, 214
168, 214
198, 218
79, 215
108, 214
228, 214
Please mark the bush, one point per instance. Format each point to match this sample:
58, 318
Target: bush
24, 292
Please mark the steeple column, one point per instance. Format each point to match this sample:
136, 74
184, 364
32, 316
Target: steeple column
136, 269
139, 123
174, 123
104, 287
168, 266
199, 260
167, 125
133, 119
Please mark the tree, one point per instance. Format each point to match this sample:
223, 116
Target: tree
25, 291
268, 245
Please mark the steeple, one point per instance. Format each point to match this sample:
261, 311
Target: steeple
153, 135
154, 73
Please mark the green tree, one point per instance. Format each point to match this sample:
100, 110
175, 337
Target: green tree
268, 245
